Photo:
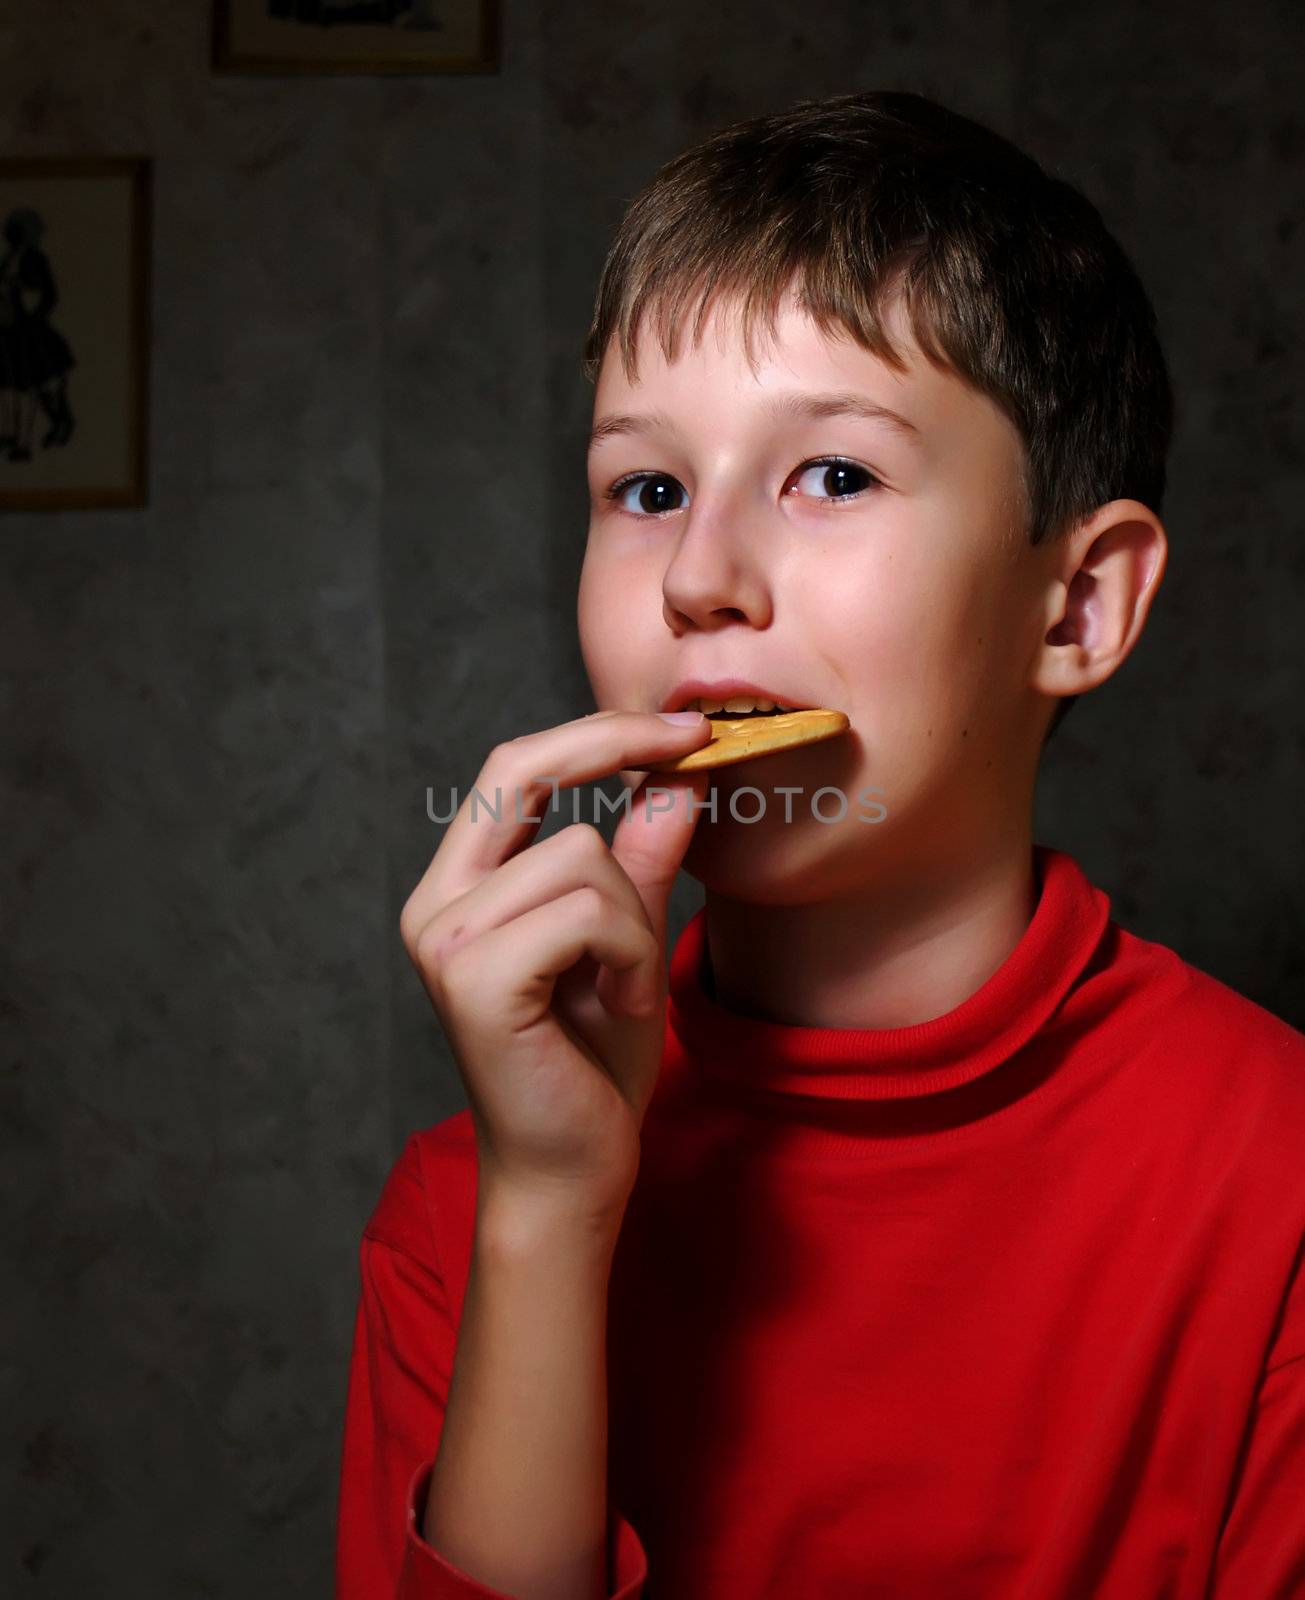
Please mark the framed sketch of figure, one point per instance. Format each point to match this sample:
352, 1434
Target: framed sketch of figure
74, 333
355, 36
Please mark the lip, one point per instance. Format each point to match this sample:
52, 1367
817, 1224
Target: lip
725, 689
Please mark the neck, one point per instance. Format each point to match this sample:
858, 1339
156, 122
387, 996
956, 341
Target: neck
909, 946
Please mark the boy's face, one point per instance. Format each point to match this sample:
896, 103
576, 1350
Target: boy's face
897, 585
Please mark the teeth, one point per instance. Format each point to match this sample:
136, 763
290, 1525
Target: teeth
736, 705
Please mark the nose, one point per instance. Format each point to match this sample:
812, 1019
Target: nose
716, 574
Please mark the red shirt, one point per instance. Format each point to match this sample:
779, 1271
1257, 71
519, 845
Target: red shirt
1006, 1304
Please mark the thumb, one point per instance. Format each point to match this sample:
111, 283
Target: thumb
653, 835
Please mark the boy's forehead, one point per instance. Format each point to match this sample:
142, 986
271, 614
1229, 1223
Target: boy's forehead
798, 355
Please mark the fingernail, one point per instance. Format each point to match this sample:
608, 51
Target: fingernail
682, 719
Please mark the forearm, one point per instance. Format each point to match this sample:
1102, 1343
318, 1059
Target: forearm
518, 1492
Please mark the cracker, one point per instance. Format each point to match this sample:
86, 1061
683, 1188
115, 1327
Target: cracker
744, 738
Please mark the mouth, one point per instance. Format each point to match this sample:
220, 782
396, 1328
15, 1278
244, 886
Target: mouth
737, 711
735, 701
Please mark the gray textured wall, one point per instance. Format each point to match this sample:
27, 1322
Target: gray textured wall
356, 574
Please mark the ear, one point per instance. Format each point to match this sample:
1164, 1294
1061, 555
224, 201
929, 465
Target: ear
1105, 576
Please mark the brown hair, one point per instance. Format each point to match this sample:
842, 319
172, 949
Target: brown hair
1009, 277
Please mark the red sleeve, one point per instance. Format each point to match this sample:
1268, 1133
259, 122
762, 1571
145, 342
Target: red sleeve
1262, 1544
399, 1370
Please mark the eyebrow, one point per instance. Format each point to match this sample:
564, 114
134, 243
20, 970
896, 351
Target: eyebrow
785, 407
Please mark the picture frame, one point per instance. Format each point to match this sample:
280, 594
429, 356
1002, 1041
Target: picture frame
74, 332
355, 36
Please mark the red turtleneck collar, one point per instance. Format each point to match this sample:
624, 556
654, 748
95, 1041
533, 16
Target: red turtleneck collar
907, 1079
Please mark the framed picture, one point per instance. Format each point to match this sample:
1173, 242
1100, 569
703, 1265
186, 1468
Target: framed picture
355, 36
74, 333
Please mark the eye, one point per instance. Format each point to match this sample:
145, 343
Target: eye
654, 493
839, 476
657, 490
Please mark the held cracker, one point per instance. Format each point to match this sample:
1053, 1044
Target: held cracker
743, 738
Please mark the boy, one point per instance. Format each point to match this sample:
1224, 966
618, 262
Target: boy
924, 1233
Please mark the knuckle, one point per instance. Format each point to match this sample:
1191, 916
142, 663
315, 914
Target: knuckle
586, 840
590, 902
450, 980
409, 926
509, 750
455, 969
500, 759
425, 948
509, 767
435, 948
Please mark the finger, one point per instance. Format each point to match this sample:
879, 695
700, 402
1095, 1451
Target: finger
650, 842
571, 859
509, 972
519, 778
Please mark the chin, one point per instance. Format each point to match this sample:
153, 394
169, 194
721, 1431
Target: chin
774, 863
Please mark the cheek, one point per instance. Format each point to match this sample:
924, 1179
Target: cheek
967, 663
590, 624
608, 608
882, 617
917, 638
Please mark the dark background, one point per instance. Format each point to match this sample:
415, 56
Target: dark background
357, 574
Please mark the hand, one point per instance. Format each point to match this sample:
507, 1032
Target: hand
546, 965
